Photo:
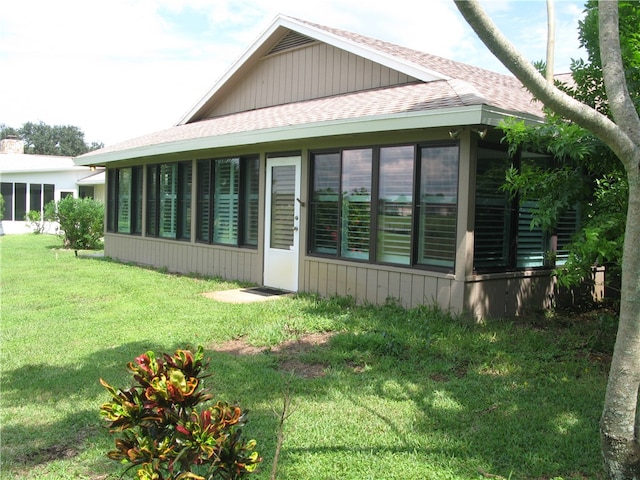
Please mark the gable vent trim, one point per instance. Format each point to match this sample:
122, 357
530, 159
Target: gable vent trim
291, 40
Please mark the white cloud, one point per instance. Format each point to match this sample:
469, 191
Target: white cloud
122, 68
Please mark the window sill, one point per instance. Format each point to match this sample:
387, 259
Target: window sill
480, 277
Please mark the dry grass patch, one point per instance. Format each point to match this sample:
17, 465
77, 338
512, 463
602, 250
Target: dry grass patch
288, 352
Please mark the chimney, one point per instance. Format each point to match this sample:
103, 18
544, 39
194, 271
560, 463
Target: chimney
11, 144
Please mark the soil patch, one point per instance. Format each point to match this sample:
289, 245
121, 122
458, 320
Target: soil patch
288, 352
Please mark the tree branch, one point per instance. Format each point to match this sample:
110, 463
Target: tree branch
522, 69
620, 103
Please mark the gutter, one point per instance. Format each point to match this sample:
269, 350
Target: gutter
448, 117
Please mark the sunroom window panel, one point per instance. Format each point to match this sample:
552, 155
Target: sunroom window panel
251, 201
356, 203
204, 200
565, 229
438, 206
531, 243
124, 200
168, 200
136, 197
225, 201
152, 203
325, 203
493, 211
395, 205
111, 200
185, 177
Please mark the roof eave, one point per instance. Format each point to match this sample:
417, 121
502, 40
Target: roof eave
449, 117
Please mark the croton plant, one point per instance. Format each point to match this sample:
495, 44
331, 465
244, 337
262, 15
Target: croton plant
164, 429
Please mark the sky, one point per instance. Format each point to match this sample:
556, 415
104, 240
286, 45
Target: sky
118, 69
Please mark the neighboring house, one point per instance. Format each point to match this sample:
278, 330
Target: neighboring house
328, 162
29, 182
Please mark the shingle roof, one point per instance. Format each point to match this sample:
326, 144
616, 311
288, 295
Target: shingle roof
504, 91
462, 85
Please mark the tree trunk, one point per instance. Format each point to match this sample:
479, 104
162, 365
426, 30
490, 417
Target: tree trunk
620, 422
620, 426
551, 40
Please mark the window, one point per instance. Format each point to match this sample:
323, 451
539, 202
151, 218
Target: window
124, 200
395, 205
325, 203
493, 224
49, 193
169, 200
40, 195
20, 205
504, 238
356, 203
6, 189
86, 191
35, 197
227, 201
438, 206
405, 195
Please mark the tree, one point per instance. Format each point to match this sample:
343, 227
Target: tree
586, 173
620, 421
42, 139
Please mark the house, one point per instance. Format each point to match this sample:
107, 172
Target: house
29, 182
325, 161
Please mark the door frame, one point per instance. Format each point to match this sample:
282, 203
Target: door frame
281, 267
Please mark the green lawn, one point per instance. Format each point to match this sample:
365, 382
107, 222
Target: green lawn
403, 394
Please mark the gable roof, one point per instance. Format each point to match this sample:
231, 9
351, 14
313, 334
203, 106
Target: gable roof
445, 93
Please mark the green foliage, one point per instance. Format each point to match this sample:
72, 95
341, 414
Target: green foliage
1, 207
589, 87
81, 222
38, 222
587, 174
163, 432
601, 238
34, 221
42, 139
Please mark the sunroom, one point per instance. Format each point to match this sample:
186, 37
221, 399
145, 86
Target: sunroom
382, 185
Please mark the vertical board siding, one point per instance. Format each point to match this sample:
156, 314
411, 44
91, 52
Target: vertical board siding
508, 297
233, 264
315, 71
374, 284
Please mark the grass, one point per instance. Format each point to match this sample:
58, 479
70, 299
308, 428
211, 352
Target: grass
412, 394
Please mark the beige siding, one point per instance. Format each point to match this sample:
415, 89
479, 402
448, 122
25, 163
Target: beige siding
375, 284
507, 296
314, 71
182, 257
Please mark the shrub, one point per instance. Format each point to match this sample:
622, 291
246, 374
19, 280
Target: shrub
37, 221
81, 222
162, 431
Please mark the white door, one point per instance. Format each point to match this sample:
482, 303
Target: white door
282, 223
